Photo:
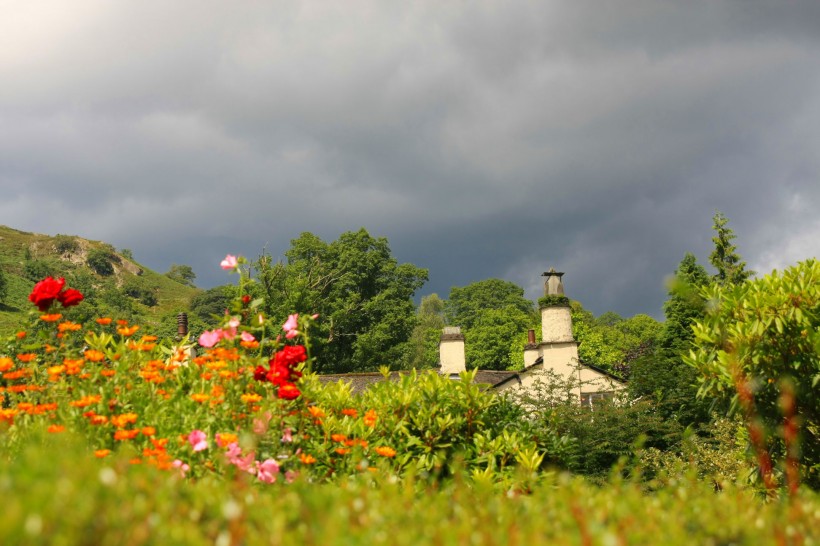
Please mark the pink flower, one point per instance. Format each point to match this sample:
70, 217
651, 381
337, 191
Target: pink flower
198, 439
183, 468
247, 337
291, 325
290, 475
229, 262
267, 471
234, 322
287, 436
210, 338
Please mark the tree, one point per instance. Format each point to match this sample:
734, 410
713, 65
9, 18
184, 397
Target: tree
661, 375
731, 269
424, 341
493, 314
466, 303
209, 306
183, 274
102, 260
362, 294
758, 346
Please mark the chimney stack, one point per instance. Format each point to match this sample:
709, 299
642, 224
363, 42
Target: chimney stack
451, 351
182, 326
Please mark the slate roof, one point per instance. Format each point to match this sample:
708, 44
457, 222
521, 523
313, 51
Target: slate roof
361, 381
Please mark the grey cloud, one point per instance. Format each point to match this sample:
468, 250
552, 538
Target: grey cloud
483, 139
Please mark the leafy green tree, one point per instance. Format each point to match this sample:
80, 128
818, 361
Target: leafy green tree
493, 314
424, 341
183, 274
494, 337
758, 346
466, 303
731, 269
361, 293
662, 376
210, 306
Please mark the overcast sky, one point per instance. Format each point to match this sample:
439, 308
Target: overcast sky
482, 138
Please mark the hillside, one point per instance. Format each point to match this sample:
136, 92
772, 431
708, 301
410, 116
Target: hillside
113, 282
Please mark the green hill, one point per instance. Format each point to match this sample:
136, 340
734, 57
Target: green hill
113, 282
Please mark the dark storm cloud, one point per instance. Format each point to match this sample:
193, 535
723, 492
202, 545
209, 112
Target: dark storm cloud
482, 139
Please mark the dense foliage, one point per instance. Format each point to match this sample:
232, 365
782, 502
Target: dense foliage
354, 283
758, 345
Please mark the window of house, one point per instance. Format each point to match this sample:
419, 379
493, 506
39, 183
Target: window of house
589, 399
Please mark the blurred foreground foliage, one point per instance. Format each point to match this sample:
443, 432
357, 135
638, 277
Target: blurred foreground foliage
54, 494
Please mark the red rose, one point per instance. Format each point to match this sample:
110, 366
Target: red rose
259, 373
45, 292
288, 391
289, 356
70, 297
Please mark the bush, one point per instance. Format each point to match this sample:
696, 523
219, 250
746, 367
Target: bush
65, 244
102, 260
759, 346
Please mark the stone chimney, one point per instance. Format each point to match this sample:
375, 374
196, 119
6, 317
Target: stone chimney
451, 351
556, 320
531, 352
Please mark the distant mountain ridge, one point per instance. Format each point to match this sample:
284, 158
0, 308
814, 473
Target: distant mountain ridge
113, 281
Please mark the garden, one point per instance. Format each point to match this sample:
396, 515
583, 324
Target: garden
112, 436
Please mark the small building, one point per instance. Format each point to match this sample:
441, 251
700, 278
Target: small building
556, 356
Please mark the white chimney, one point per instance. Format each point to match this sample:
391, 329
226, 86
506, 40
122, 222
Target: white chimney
451, 351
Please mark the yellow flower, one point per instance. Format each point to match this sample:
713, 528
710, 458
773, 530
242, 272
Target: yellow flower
385, 451
200, 397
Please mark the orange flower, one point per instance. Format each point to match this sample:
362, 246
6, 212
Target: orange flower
25, 406
350, 412
86, 401
97, 419
100, 453
342, 450
148, 431
55, 429
54, 317
26, 357
93, 355
316, 411
56, 370
148, 338
159, 443
125, 434
103, 321
385, 451
6, 363
50, 348
356, 442
127, 330
249, 344
338, 437
122, 322
69, 326
107, 373
120, 421
200, 397
225, 439
250, 398
370, 418
40, 409
7, 415
20, 335
307, 459
19, 374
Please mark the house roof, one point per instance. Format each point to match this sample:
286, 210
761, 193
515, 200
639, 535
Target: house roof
361, 381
